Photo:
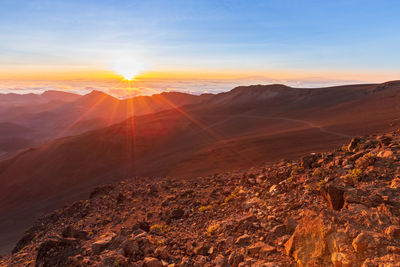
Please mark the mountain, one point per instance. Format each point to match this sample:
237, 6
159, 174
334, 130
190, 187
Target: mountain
244, 127
55, 114
336, 208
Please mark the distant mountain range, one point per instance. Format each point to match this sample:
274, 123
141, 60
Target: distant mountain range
55, 114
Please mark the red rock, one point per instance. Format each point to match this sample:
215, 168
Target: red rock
334, 196
152, 262
243, 240
362, 242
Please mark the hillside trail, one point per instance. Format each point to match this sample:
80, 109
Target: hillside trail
308, 123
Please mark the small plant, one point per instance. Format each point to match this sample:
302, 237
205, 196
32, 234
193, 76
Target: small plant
296, 170
317, 173
354, 174
290, 179
212, 229
158, 229
161, 242
205, 208
369, 158
232, 196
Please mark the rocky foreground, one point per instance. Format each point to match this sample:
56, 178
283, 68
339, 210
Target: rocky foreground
331, 209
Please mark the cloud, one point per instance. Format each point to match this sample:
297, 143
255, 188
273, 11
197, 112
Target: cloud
149, 87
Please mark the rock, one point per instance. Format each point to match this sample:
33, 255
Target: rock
103, 243
220, 261
362, 242
334, 196
26, 239
260, 248
387, 154
243, 240
279, 230
384, 140
353, 145
307, 161
290, 224
393, 231
112, 259
202, 249
130, 248
145, 226
55, 252
120, 198
255, 248
266, 250
185, 262
235, 258
315, 240
341, 260
273, 188
152, 262
395, 183
101, 190
177, 214
69, 231
162, 253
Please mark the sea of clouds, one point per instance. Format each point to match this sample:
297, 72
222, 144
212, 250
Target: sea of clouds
125, 89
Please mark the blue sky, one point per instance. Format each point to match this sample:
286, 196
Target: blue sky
260, 37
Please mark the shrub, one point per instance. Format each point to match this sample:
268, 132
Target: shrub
158, 229
354, 174
232, 196
317, 172
297, 170
212, 229
205, 208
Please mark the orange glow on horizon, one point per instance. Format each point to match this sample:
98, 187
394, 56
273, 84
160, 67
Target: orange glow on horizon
137, 74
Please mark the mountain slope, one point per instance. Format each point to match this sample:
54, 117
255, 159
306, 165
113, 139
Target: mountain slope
337, 208
56, 114
241, 128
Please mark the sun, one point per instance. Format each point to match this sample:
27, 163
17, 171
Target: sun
128, 69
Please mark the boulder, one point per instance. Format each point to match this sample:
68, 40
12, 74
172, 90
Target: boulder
393, 231
177, 214
334, 196
308, 161
152, 262
362, 242
235, 258
102, 243
55, 252
316, 240
354, 144
243, 240
70, 231
221, 261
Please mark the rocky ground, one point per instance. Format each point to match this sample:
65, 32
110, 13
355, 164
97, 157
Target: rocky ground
331, 209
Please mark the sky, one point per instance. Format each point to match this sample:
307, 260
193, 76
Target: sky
195, 45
